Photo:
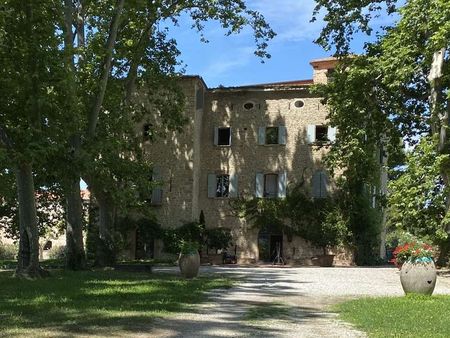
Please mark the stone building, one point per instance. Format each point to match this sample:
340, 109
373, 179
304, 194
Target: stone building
255, 140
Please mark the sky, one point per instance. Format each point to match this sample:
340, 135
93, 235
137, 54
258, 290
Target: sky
229, 60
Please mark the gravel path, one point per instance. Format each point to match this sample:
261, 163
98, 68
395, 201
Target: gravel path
302, 297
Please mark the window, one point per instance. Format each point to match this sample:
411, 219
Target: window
157, 192
249, 105
299, 104
222, 136
147, 132
272, 135
222, 185
320, 134
320, 184
271, 185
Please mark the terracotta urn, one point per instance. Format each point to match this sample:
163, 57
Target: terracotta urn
418, 276
189, 264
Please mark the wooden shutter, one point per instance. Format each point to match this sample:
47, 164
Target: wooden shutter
259, 185
311, 133
281, 135
233, 188
212, 185
262, 135
316, 184
231, 132
323, 184
157, 191
282, 181
216, 136
331, 134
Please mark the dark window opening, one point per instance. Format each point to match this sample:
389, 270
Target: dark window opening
48, 245
272, 135
224, 137
321, 134
249, 105
223, 185
147, 132
271, 185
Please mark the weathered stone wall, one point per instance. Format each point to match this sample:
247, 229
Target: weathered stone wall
224, 108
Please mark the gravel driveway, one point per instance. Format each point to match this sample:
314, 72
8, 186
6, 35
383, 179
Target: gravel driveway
297, 301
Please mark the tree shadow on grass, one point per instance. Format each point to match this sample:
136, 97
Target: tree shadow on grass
89, 302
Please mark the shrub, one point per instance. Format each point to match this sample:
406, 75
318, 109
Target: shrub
8, 251
57, 252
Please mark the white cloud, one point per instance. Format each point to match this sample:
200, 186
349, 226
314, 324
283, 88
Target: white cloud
227, 63
290, 19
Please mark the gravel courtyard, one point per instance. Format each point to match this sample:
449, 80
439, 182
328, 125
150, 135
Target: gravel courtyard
297, 301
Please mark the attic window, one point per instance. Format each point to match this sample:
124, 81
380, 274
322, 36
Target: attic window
299, 104
249, 105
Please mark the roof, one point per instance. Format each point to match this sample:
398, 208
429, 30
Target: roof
270, 86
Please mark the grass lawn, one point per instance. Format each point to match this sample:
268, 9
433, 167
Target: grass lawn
411, 316
95, 302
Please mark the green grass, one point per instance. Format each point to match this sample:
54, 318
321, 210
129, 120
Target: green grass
411, 316
267, 311
95, 302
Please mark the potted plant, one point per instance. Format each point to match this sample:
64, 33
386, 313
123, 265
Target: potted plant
189, 261
328, 232
417, 269
217, 239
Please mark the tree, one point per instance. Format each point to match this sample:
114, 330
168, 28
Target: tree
30, 114
121, 51
410, 62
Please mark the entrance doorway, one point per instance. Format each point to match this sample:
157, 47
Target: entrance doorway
269, 240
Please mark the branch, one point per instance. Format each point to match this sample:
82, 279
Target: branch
93, 116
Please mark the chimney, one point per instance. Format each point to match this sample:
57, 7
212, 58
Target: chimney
323, 68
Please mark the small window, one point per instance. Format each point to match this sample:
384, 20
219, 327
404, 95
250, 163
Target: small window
223, 185
249, 105
271, 185
299, 104
47, 245
147, 132
272, 135
224, 136
321, 133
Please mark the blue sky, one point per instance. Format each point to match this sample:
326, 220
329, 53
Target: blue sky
229, 61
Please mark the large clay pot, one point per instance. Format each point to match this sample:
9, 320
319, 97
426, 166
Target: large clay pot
418, 276
189, 264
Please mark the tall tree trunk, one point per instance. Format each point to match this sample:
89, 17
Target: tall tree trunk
106, 251
440, 123
28, 260
76, 258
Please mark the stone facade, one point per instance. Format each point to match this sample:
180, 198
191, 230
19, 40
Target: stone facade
272, 129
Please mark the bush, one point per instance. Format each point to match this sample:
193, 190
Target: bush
57, 252
8, 251
218, 239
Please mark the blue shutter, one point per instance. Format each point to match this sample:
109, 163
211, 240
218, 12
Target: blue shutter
281, 135
216, 136
331, 134
282, 181
233, 188
212, 185
316, 184
323, 184
157, 191
259, 185
262, 135
311, 133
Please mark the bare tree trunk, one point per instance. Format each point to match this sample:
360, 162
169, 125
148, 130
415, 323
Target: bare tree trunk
440, 123
28, 260
76, 257
106, 251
